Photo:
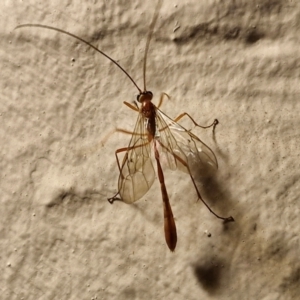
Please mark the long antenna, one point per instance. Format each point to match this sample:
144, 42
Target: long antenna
151, 29
83, 41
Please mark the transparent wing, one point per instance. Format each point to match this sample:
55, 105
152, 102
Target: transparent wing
180, 147
137, 171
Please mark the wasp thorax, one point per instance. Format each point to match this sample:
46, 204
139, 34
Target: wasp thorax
148, 109
144, 96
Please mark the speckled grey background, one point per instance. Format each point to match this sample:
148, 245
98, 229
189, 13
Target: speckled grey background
235, 61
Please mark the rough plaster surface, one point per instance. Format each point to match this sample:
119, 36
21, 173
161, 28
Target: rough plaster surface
235, 61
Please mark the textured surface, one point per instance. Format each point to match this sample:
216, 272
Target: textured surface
61, 239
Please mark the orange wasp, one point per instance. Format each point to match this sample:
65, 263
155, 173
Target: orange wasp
171, 144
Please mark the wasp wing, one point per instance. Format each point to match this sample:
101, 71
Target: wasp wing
181, 149
137, 172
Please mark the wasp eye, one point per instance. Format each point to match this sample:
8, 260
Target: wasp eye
138, 97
